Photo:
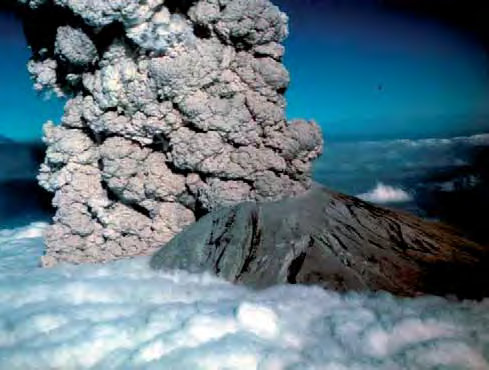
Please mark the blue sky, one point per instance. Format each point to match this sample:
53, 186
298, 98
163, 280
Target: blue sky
360, 71
357, 71
23, 110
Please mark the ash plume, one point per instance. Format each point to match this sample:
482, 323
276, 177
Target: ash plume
175, 108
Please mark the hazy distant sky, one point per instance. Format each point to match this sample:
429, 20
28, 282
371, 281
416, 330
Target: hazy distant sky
356, 70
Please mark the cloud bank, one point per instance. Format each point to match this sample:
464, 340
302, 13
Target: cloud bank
123, 315
355, 167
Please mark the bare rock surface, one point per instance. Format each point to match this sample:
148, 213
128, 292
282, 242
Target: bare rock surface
332, 240
174, 108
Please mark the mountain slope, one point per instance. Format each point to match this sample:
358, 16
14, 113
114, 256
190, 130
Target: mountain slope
333, 240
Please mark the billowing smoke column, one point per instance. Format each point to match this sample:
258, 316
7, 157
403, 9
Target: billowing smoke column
175, 108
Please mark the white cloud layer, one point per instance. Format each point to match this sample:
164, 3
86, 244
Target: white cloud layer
384, 194
351, 167
473, 140
125, 316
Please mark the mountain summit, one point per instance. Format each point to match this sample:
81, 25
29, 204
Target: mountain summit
333, 240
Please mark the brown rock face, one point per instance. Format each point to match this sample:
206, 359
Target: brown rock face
332, 240
174, 109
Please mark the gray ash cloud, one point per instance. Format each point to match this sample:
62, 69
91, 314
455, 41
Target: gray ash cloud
174, 109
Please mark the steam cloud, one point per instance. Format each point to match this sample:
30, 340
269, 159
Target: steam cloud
385, 194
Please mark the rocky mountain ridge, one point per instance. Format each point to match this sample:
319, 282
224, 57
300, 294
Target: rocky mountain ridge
333, 240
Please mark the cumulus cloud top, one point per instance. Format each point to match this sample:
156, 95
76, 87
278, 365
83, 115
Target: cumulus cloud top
124, 315
383, 194
175, 109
